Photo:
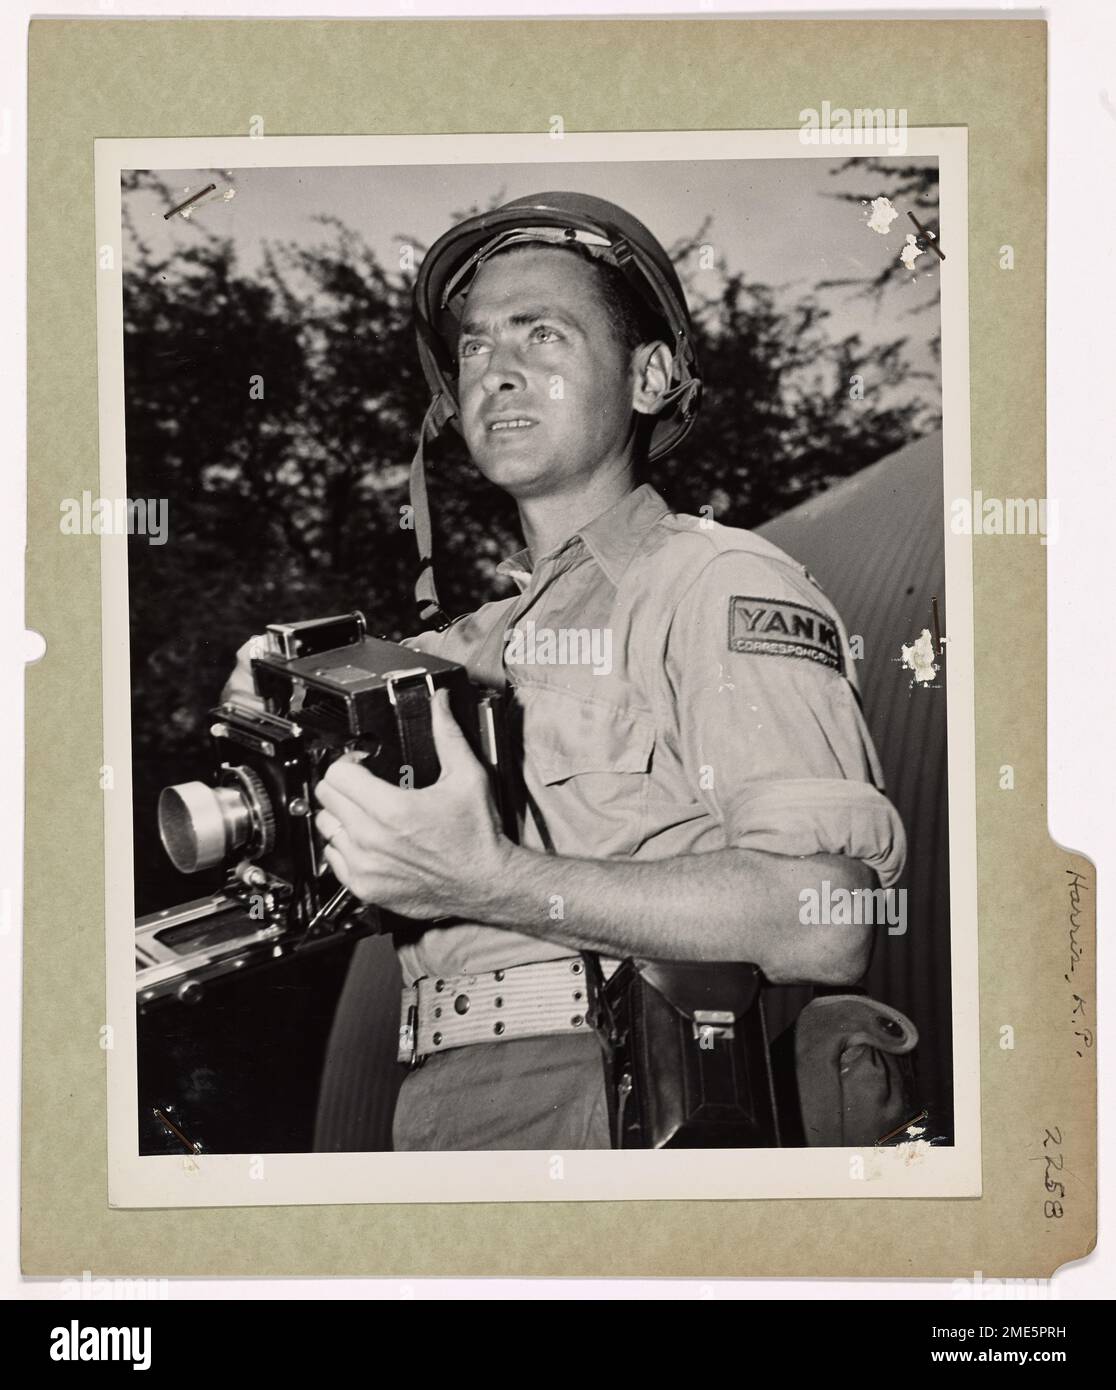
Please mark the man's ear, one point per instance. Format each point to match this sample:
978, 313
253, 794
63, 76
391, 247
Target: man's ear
652, 368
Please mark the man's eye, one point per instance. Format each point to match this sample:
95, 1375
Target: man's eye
470, 348
543, 333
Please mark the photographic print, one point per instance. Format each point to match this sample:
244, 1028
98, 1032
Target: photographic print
538, 665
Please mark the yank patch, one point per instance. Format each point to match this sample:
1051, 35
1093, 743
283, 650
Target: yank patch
773, 627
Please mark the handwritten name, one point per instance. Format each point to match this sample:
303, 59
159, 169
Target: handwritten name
1077, 885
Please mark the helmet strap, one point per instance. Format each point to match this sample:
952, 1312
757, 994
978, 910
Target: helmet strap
684, 391
439, 412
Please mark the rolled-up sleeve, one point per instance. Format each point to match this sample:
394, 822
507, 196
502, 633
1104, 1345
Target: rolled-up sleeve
770, 726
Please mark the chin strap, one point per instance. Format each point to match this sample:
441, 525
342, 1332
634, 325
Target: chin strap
441, 410
686, 394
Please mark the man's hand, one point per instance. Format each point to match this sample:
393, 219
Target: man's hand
424, 853
240, 687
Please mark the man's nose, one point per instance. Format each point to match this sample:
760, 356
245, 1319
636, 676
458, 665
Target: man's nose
504, 372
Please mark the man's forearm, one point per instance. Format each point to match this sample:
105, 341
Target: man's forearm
730, 904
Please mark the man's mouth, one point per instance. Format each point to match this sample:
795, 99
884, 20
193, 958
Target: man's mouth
516, 422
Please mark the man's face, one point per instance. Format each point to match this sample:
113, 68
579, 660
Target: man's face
545, 389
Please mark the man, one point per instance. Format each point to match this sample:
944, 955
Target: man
694, 754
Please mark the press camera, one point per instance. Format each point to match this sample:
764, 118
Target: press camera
328, 690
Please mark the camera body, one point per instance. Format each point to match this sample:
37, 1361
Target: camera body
329, 691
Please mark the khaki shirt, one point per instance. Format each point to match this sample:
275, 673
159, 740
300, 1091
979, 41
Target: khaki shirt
683, 686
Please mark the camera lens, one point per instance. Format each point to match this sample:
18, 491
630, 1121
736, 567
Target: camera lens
200, 826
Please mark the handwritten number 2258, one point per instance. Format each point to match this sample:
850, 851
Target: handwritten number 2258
1052, 1208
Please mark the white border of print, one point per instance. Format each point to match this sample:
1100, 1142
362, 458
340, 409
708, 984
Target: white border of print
321, 1178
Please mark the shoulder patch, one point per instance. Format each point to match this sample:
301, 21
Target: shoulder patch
774, 627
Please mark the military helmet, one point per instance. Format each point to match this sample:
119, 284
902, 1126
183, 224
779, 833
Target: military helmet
603, 230
600, 229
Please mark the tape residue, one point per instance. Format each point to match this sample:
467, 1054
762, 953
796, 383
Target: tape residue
919, 657
911, 251
883, 215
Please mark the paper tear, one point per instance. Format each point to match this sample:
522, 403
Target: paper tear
883, 215
919, 657
911, 251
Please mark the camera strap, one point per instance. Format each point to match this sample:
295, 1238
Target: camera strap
439, 413
410, 698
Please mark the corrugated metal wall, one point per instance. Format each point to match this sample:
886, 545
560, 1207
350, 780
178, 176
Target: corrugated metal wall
875, 544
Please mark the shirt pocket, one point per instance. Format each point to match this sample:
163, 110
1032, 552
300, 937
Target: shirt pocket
590, 762
566, 734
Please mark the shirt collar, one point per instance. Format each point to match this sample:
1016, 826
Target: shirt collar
612, 538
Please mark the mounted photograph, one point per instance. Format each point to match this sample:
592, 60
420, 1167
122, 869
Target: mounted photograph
538, 665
